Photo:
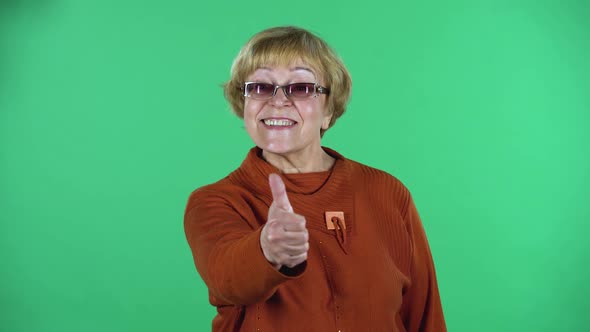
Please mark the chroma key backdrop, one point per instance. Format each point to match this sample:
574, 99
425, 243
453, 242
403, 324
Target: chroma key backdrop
112, 112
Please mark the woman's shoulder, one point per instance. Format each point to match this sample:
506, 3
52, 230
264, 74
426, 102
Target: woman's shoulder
373, 176
359, 169
382, 189
222, 190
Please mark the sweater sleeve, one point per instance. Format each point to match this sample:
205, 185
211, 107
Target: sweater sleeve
227, 253
421, 308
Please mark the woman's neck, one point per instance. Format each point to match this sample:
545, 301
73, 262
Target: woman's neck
316, 160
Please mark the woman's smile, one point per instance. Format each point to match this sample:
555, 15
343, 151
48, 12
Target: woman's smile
278, 123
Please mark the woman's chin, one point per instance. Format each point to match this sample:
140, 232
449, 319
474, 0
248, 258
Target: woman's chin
277, 148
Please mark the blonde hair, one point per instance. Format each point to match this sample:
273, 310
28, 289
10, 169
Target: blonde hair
284, 46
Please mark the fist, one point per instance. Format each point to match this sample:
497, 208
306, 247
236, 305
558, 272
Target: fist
284, 238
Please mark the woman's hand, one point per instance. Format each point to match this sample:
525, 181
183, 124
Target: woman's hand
284, 238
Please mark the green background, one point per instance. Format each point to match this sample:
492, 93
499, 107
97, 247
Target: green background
111, 113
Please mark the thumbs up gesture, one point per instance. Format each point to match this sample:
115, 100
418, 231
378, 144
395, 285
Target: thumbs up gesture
284, 238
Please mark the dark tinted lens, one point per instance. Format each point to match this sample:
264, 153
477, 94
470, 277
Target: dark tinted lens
300, 90
263, 90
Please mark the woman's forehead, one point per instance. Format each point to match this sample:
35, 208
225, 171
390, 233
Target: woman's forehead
295, 69
299, 68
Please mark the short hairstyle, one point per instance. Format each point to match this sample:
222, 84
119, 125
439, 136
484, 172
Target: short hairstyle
283, 46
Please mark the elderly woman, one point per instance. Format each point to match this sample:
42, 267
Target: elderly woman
300, 238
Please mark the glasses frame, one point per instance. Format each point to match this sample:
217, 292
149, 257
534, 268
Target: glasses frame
318, 89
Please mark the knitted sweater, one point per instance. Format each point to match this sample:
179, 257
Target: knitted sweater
372, 270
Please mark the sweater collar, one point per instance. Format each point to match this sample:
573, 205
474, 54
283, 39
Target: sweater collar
254, 172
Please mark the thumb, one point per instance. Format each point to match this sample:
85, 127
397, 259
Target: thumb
279, 193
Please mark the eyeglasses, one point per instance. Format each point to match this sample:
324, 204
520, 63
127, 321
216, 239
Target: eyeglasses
298, 91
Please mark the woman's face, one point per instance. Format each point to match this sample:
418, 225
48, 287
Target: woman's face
297, 123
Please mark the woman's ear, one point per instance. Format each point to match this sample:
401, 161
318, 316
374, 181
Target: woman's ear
326, 122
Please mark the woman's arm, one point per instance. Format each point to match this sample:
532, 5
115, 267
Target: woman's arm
227, 253
421, 308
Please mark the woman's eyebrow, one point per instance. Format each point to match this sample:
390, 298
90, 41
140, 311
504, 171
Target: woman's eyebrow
302, 68
291, 69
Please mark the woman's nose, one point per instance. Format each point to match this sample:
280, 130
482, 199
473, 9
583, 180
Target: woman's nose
280, 98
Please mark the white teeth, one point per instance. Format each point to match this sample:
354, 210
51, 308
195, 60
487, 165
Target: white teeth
275, 122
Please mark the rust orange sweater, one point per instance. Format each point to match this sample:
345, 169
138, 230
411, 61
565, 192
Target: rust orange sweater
374, 273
